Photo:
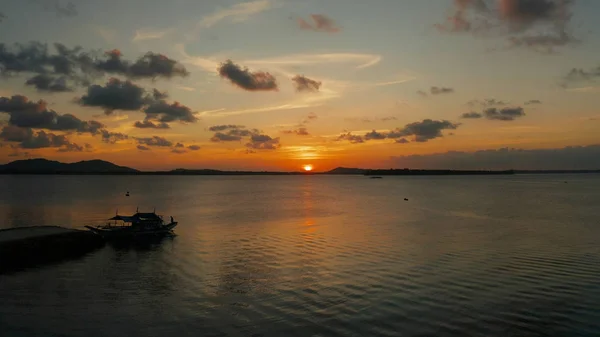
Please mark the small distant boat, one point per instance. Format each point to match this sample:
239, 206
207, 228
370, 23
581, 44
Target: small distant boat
376, 177
127, 194
134, 226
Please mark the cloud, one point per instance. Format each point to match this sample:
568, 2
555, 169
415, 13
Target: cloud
422, 93
540, 25
374, 135
310, 117
579, 74
305, 84
112, 137
68, 9
424, 130
143, 148
585, 89
402, 141
488, 102
301, 131
362, 60
440, 90
28, 139
115, 95
147, 124
263, 142
250, 81
320, 23
354, 139
178, 151
29, 114
49, 83
225, 137
533, 101
155, 141
151, 65
145, 34
80, 67
165, 112
471, 115
225, 127
505, 114
236, 13
193, 147
566, 158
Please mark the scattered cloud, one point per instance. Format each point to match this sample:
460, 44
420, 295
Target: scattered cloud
301, 131
440, 90
115, 95
155, 141
147, 124
29, 114
237, 13
263, 142
61, 8
64, 67
424, 130
164, 112
504, 114
193, 147
234, 133
581, 75
29, 139
374, 135
348, 136
320, 23
436, 91
143, 148
533, 101
112, 137
49, 83
471, 115
541, 25
305, 84
488, 102
125, 95
250, 81
566, 158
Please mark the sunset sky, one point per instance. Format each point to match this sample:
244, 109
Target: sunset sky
278, 84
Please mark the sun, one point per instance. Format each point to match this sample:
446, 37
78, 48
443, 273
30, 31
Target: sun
307, 168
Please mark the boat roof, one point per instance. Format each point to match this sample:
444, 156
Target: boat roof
136, 217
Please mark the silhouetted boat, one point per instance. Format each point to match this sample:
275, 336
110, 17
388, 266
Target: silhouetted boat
138, 225
376, 177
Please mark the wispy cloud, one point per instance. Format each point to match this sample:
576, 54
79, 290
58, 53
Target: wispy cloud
236, 13
361, 60
144, 34
585, 89
186, 88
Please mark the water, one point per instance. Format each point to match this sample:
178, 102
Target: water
315, 256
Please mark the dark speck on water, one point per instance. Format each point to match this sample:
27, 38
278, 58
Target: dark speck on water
314, 256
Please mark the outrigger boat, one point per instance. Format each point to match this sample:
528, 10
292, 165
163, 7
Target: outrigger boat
134, 226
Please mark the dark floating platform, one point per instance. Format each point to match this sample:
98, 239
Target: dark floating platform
25, 247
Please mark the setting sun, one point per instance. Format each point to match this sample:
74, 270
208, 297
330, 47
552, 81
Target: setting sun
308, 168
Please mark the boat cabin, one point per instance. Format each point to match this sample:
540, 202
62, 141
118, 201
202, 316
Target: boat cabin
141, 220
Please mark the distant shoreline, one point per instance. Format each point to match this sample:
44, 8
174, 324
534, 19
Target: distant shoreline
275, 173
42, 166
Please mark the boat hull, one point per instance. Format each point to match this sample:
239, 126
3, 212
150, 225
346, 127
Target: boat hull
131, 232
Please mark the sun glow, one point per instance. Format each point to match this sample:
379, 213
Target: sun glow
308, 168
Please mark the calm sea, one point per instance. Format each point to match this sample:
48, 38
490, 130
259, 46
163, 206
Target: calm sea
315, 256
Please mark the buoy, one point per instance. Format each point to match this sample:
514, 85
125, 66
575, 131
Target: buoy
405, 199
127, 194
